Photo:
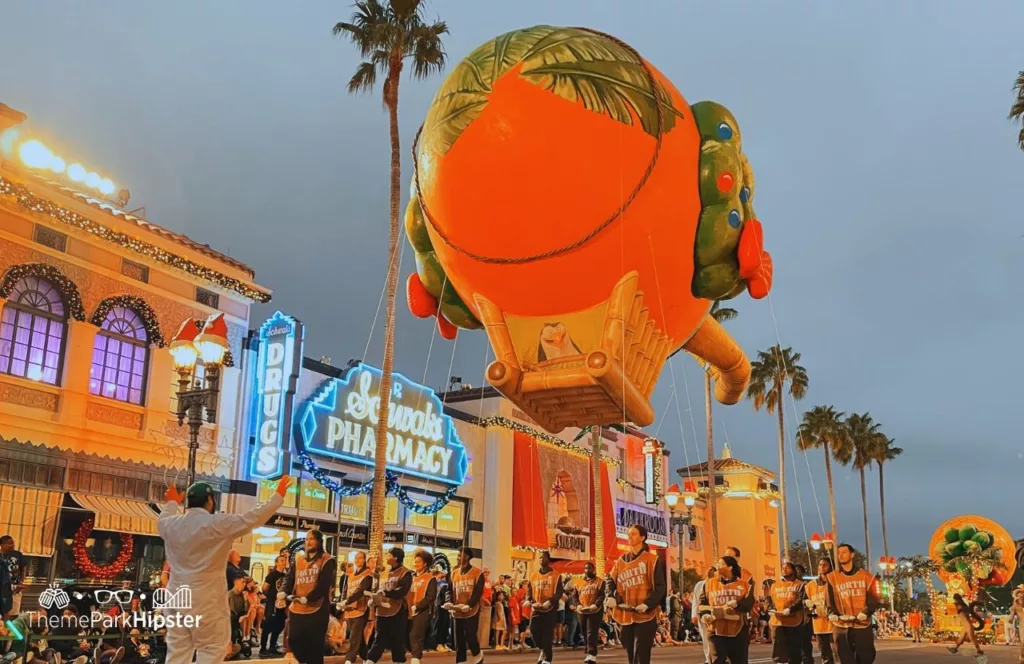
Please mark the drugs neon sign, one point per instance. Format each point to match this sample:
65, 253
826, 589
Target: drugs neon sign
277, 373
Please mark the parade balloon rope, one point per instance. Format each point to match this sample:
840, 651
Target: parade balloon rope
393, 488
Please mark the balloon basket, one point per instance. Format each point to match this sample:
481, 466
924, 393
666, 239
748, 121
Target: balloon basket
611, 384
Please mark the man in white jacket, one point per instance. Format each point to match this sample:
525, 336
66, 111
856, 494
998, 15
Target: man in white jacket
705, 638
196, 544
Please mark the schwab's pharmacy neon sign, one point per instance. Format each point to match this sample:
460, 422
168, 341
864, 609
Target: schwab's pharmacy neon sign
277, 372
340, 422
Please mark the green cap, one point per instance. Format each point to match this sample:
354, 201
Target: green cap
198, 493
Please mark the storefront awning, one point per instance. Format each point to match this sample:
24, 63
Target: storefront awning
119, 515
30, 517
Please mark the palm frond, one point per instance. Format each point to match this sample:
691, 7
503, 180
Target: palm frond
386, 34
1017, 109
723, 314
364, 79
823, 426
774, 368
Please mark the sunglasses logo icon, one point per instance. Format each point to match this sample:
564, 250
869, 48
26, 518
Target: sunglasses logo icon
123, 596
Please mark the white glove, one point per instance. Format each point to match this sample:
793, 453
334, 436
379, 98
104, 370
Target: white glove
447, 606
610, 603
784, 612
731, 604
862, 617
641, 608
592, 608
546, 605
833, 617
281, 595
527, 604
707, 619
302, 600
809, 604
463, 607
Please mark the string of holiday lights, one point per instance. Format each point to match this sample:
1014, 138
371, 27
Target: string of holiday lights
540, 436
140, 307
38, 205
392, 488
67, 288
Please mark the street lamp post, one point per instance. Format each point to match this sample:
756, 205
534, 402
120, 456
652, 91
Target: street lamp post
682, 516
888, 565
190, 344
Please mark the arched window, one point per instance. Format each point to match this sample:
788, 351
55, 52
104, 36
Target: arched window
33, 330
119, 357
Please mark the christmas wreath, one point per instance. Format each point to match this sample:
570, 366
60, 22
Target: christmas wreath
84, 562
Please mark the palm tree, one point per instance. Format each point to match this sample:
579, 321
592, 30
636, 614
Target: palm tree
1017, 109
917, 567
387, 33
885, 451
865, 436
823, 427
769, 374
720, 314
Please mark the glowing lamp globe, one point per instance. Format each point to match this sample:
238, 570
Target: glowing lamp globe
212, 342
569, 200
672, 495
182, 347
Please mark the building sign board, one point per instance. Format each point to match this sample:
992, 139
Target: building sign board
628, 514
568, 546
340, 420
277, 372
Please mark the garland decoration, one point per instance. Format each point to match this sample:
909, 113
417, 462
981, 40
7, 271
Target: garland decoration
33, 203
84, 562
540, 436
328, 482
67, 288
392, 488
137, 305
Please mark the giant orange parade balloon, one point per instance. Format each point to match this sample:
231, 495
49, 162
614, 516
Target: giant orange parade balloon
569, 200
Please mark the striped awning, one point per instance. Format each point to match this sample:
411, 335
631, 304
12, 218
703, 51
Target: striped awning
30, 517
119, 515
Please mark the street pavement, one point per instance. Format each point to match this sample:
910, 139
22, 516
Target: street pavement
889, 652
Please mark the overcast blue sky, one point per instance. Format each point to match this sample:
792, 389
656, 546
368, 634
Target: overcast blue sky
888, 183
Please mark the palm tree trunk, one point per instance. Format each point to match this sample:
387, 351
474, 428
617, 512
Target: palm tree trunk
881, 496
380, 455
712, 496
782, 474
864, 503
595, 482
831, 494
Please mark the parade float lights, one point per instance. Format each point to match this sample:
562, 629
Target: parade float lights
34, 154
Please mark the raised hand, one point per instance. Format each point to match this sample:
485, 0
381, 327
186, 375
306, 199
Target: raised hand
172, 494
282, 485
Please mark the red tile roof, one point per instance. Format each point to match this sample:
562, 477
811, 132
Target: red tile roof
730, 465
150, 226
